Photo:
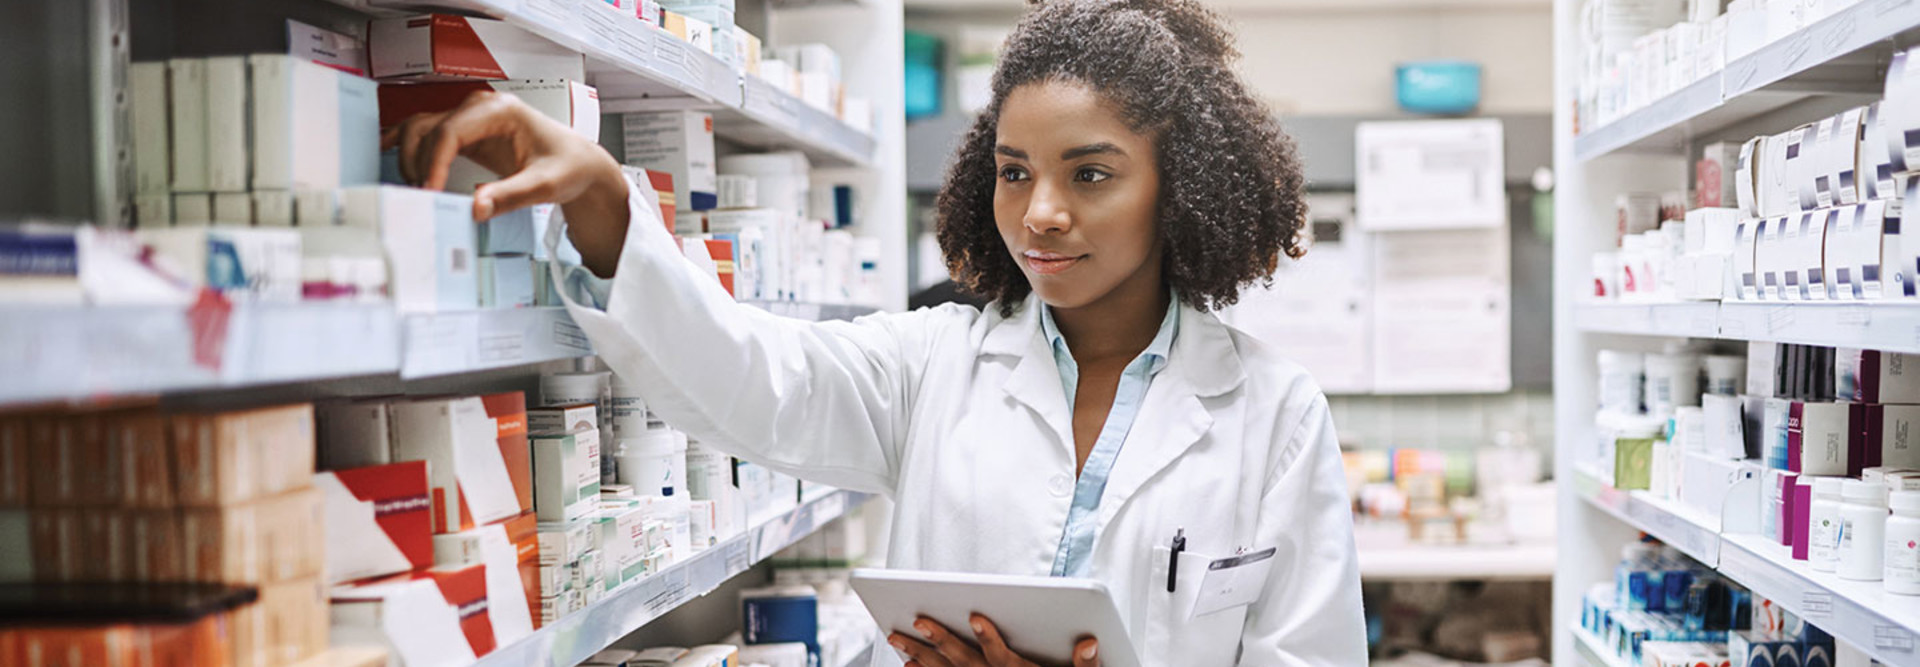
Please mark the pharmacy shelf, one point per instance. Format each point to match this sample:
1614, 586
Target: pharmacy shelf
1696, 536
628, 60
1860, 613
1693, 319
1388, 554
1893, 327
576, 637
62, 353
1833, 56
65, 353
1595, 649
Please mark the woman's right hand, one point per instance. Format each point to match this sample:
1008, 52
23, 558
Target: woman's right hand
542, 160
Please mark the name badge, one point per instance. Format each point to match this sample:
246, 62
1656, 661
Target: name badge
1233, 582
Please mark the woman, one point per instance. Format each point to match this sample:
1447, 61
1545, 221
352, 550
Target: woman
1122, 185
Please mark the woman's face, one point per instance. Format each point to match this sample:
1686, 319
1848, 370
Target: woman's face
1077, 195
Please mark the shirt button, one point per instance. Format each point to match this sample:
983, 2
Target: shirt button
1060, 486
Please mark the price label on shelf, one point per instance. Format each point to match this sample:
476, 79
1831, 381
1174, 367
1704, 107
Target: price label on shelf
1816, 605
567, 334
1892, 638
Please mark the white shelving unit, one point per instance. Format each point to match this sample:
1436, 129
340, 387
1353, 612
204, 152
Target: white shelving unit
1595, 650
1837, 61
1858, 612
1834, 56
578, 636
75, 354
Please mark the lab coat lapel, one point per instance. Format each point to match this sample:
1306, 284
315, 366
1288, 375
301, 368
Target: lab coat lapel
1203, 364
1035, 380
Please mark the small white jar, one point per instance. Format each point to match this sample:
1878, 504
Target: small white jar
1902, 554
1622, 381
1672, 381
1823, 525
1726, 374
1863, 530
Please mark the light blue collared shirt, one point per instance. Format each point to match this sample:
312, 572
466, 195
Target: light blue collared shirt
1076, 541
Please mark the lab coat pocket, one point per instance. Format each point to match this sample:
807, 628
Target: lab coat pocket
1174, 636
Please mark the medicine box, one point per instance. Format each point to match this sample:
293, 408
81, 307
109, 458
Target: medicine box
353, 433
445, 47
1887, 437
1818, 437
429, 239
679, 143
1723, 426
1876, 165
314, 127
270, 539
227, 156
781, 614
568, 101
1714, 175
245, 264
567, 542
506, 281
566, 474
623, 540
378, 520
1839, 157
222, 458
1806, 268
273, 208
1873, 376
187, 98
286, 625
511, 599
478, 464
148, 109
440, 617
562, 418
233, 209
1745, 172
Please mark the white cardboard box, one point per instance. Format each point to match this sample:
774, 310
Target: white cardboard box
474, 472
1872, 376
147, 106
1724, 428
1752, 154
679, 143
488, 546
187, 97
1840, 151
228, 165
233, 209
261, 265
1771, 258
445, 47
429, 237
566, 474
1705, 479
314, 127
1807, 235
192, 209
417, 620
377, 520
273, 208
571, 102
1876, 166
1818, 437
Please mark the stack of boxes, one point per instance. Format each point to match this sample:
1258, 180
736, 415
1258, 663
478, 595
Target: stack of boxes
137, 495
434, 498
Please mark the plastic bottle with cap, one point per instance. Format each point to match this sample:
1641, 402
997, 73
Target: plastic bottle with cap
1823, 524
1622, 381
1902, 553
1863, 530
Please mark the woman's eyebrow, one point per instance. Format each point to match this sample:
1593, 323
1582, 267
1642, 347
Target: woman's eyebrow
1010, 151
1092, 149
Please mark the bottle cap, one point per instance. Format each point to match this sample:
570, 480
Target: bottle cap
1865, 493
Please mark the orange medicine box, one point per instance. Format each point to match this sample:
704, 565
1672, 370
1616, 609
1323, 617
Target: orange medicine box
479, 467
379, 520
231, 457
286, 625
270, 540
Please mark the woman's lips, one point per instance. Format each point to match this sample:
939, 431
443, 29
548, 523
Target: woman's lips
1049, 263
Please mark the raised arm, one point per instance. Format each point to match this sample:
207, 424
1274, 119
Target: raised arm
824, 401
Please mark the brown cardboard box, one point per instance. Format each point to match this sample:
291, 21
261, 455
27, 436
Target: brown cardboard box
13, 461
286, 625
138, 454
67, 454
272, 539
231, 457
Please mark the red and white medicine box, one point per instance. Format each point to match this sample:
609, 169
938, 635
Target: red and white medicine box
379, 520
478, 464
444, 47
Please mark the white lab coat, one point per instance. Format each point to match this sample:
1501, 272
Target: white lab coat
960, 418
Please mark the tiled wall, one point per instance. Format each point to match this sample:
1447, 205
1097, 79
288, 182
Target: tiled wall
1461, 422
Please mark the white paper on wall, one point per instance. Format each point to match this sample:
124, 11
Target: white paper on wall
1441, 315
1318, 310
1430, 174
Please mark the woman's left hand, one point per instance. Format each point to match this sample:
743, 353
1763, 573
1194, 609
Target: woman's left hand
941, 648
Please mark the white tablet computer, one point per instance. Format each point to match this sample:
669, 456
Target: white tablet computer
1040, 617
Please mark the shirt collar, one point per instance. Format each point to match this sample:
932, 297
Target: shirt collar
1158, 349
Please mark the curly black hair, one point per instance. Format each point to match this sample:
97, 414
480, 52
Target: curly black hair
1232, 190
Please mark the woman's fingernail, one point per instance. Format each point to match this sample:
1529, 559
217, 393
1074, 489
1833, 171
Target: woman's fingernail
898, 645
1088, 652
925, 630
978, 628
